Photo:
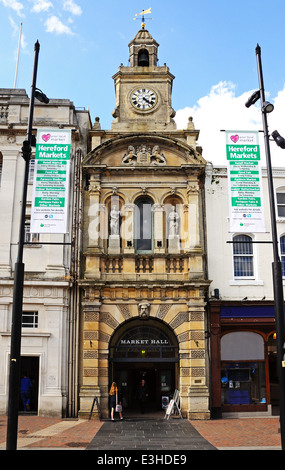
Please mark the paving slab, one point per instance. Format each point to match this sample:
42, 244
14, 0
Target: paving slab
147, 434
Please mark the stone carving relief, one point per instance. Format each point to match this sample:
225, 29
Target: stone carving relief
143, 155
144, 311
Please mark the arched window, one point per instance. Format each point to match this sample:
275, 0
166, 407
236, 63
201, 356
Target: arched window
143, 58
243, 368
143, 224
243, 256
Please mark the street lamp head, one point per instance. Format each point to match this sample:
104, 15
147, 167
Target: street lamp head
41, 96
279, 140
253, 99
267, 107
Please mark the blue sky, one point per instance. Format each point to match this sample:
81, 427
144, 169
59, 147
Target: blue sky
208, 45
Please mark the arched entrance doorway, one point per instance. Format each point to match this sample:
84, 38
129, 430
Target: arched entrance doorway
144, 349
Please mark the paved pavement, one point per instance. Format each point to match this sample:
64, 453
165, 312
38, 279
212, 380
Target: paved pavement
149, 434
156, 433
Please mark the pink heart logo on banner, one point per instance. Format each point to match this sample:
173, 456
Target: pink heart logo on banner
46, 137
234, 138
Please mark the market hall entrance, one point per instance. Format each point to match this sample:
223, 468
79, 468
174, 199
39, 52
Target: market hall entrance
144, 350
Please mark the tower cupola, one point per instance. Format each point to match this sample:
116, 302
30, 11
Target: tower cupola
143, 50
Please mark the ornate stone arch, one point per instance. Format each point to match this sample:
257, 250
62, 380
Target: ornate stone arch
144, 191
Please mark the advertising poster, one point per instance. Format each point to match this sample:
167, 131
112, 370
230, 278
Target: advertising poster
244, 182
51, 181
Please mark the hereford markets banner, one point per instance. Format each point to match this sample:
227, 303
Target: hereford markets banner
51, 181
244, 182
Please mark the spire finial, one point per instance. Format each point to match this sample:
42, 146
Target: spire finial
144, 12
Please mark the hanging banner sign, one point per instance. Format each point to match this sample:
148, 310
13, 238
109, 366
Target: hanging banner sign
51, 181
244, 182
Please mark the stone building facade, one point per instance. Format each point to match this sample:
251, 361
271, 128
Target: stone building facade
48, 352
143, 274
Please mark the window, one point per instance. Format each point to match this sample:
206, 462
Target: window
280, 196
143, 224
243, 368
30, 237
30, 319
31, 170
282, 250
243, 256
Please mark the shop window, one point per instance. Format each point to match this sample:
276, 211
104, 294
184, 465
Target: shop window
243, 369
282, 252
243, 256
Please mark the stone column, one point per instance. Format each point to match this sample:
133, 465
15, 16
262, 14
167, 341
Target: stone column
158, 237
193, 215
90, 362
94, 212
8, 217
198, 397
128, 228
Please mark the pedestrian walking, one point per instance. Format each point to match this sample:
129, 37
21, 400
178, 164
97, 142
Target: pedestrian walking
115, 401
25, 390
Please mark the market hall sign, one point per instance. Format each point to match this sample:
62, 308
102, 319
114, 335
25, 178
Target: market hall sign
144, 342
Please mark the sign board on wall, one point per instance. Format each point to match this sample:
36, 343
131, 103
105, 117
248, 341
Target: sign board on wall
51, 181
244, 182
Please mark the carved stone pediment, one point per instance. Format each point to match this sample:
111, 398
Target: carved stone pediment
143, 155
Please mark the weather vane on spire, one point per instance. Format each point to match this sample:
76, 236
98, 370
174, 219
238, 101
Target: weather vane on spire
143, 18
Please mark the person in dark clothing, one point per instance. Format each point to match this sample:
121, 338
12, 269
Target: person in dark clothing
142, 395
114, 400
26, 388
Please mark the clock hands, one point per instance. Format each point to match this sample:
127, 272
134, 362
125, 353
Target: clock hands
143, 99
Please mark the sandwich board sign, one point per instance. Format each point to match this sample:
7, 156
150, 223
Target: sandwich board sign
173, 405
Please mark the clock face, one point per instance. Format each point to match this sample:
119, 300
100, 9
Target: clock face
143, 99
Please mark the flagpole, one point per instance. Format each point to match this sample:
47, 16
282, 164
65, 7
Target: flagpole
18, 55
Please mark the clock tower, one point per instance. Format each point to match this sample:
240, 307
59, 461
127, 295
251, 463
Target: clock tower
143, 275
143, 90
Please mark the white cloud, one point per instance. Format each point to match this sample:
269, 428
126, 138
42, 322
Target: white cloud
15, 5
220, 110
72, 7
54, 25
14, 26
41, 5
16, 31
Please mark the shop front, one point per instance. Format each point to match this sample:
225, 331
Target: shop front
244, 359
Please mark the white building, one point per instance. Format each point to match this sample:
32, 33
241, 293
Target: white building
241, 302
49, 325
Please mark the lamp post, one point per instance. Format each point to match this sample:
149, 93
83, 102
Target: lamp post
15, 352
276, 265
